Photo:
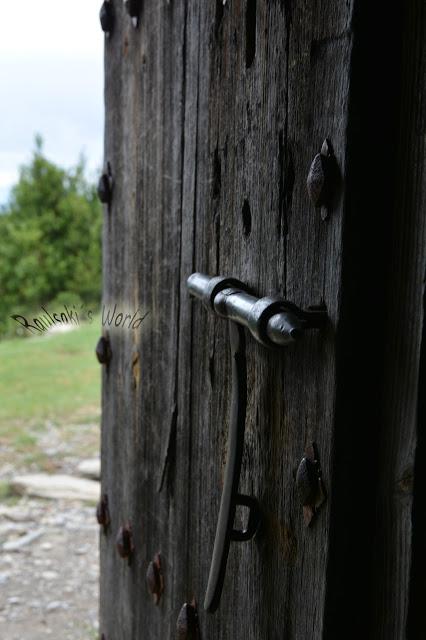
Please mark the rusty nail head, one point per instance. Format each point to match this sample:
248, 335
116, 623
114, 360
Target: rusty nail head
106, 17
187, 623
307, 480
309, 484
105, 186
319, 177
102, 512
124, 542
103, 350
155, 579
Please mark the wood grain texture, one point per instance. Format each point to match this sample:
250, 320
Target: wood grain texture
397, 560
380, 329
214, 113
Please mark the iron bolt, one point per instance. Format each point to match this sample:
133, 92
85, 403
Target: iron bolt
102, 512
187, 623
103, 350
320, 176
133, 8
124, 542
309, 484
106, 17
155, 579
307, 481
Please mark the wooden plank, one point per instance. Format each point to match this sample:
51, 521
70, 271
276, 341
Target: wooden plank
214, 113
380, 327
397, 561
145, 71
267, 122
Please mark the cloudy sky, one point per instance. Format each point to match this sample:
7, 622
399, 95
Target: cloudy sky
51, 79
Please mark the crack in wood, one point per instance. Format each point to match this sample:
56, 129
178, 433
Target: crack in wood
169, 457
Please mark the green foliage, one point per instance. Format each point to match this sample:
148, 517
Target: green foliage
68, 298
50, 238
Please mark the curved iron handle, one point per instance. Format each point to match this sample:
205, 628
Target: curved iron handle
273, 322
230, 497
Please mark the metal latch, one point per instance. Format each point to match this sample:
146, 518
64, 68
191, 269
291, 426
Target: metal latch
273, 322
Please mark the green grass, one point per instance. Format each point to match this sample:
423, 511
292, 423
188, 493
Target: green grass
50, 376
49, 380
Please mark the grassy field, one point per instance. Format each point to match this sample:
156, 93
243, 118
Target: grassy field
50, 397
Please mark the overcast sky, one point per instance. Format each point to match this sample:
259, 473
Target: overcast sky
51, 79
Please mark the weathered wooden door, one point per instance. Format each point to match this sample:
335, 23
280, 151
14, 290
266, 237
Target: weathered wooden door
215, 110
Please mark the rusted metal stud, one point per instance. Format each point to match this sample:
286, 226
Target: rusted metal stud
106, 17
133, 8
155, 578
124, 542
102, 513
103, 350
187, 626
307, 480
105, 186
309, 484
320, 178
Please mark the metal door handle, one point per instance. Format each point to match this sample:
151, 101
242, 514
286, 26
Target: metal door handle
273, 322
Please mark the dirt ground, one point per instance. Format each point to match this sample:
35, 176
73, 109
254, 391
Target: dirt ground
49, 586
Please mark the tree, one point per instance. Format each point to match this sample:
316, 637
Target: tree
49, 237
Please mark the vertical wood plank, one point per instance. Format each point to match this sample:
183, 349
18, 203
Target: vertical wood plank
214, 112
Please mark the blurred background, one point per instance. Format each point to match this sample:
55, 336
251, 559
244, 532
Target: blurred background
51, 141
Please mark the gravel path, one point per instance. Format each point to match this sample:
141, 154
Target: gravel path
48, 571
